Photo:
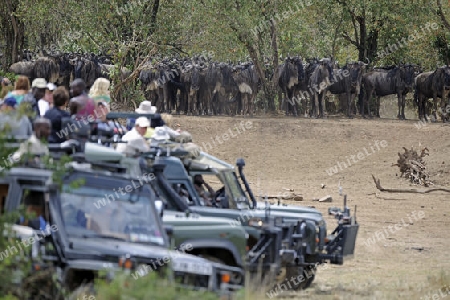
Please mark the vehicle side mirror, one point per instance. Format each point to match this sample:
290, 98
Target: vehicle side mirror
169, 230
159, 207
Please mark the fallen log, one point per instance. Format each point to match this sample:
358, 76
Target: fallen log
379, 187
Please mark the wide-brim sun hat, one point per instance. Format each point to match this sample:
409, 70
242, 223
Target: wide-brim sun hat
146, 108
160, 134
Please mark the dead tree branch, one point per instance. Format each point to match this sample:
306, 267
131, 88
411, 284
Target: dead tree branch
416, 191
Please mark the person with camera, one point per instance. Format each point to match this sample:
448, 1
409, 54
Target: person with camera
200, 185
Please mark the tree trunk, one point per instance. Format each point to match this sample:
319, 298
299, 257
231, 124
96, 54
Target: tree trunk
362, 51
368, 41
13, 33
372, 44
273, 35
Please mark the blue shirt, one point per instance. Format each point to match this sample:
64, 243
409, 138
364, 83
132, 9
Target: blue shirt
42, 223
55, 115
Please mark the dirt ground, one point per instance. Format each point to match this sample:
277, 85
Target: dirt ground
409, 261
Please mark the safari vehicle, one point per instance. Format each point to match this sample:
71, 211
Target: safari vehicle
126, 234
305, 243
287, 240
212, 238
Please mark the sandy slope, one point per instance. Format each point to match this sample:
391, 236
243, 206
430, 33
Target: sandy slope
296, 153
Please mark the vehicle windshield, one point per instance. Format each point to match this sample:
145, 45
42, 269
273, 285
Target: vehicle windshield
107, 213
237, 194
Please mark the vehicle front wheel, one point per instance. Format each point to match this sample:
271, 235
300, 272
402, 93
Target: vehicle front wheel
297, 278
86, 291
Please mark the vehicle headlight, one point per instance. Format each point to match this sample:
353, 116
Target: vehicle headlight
257, 222
126, 262
225, 277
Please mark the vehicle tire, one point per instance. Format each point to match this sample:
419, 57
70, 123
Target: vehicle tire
297, 278
86, 291
311, 275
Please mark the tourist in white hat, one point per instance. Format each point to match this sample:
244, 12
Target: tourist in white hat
46, 102
145, 107
135, 141
160, 135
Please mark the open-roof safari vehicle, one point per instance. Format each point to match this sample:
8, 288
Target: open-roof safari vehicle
291, 239
127, 233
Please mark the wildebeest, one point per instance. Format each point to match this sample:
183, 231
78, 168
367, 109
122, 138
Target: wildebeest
196, 80
42, 67
303, 90
87, 69
290, 73
432, 84
348, 80
247, 80
47, 68
153, 85
63, 68
320, 81
221, 86
397, 80
24, 68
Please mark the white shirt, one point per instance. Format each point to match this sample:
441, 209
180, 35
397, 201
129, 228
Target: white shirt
43, 106
171, 132
32, 146
135, 142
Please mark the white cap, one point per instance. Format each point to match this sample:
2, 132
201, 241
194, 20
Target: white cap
51, 86
142, 122
39, 83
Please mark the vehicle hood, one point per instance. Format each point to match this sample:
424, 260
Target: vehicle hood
101, 246
180, 218
242, 215
288, 208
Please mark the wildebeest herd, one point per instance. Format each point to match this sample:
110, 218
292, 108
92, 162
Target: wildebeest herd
201, 86
62, 69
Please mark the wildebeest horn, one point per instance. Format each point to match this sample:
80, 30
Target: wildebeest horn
368, 61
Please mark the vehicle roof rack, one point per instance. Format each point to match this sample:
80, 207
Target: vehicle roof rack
164, 151
112, 167
125, 115
68, 147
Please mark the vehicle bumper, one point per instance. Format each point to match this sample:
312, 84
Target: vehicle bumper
341, 243
222, 282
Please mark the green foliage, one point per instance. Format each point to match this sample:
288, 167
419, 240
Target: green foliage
9, 75
14, 262
129, 29
147, 287
441, 43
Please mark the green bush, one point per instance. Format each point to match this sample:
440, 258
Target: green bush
15, 263
147, 287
